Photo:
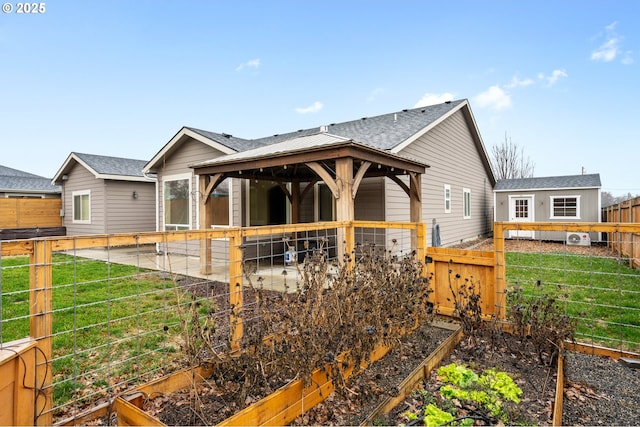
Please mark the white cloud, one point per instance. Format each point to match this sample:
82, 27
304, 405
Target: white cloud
553, 78
253, 63
494, 98
607, 52
313, 108
433, 99
611, 48
516, 82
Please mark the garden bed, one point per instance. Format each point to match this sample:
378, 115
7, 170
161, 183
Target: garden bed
204, 403
507, 353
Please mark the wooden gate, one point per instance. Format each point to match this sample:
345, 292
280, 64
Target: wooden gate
450, 269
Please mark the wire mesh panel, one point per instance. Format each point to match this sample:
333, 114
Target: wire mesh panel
593, 282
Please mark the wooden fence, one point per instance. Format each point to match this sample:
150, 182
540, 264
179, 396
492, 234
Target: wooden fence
30, 213
627, 244
26, 367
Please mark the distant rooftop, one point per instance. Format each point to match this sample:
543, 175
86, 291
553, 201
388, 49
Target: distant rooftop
17, 181
549, 182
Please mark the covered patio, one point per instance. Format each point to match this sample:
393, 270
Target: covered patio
296, 165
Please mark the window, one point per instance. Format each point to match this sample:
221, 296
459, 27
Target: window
466, 193
220, 204
521, 208
81, 207
177, 203
326, 203
268, 204
565, 207
447, 198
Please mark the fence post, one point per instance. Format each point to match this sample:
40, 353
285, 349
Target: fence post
235, 288
500, 270
40, 324
420, 243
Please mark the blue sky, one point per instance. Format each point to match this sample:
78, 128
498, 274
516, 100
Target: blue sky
559, 78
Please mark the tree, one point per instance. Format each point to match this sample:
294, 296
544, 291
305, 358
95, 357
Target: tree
509, 161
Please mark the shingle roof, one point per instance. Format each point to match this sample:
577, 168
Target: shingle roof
105, 165
13, 180
549, 182
385, 131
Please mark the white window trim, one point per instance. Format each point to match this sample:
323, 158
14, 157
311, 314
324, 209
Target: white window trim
73, 206
447, 188
466, 191
177, 177
551, 203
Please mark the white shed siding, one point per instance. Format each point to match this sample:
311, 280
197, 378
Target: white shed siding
589, 207
80, 179
451, 152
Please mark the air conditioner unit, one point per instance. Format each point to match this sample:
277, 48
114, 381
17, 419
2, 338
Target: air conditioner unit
575, 238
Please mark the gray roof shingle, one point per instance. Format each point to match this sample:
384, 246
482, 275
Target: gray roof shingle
13, 180
384, 132
549, 182
106, 165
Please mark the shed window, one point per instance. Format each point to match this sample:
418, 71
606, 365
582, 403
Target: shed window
447, 198
177, 203
565, 207
82, 207
467, 203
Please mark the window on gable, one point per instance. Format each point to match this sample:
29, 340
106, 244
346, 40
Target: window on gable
447, 198
467, 203
177, 203
565, 207
81, 207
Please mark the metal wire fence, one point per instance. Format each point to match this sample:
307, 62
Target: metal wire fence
114, 309
111, 312
583, 270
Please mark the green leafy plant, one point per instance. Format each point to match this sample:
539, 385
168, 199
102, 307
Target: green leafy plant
488, 390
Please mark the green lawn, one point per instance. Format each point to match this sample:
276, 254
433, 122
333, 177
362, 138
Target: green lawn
601, 293
111, 322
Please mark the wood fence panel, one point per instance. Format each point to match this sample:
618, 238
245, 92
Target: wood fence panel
450, 269
628, 244
28, 213
17, 375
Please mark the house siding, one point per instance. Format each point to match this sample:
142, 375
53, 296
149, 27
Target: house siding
190, 152
126, 213
451, 152
80, 179
589, 208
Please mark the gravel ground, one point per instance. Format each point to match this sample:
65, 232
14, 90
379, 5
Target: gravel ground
600, 391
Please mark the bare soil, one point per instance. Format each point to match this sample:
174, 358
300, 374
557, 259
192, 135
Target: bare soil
504, 352
208, 404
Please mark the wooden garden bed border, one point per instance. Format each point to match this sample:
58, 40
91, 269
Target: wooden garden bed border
285, 404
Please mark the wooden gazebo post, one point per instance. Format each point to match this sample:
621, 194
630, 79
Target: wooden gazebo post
344, 205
